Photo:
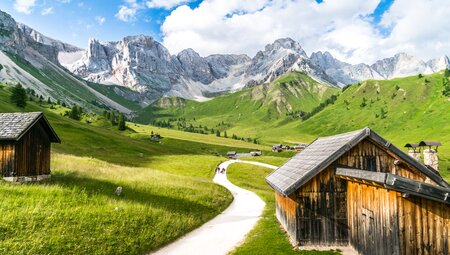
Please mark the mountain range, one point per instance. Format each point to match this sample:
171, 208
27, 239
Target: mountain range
142, 70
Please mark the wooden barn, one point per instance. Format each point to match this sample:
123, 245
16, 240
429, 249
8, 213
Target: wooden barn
360, 190
25, 141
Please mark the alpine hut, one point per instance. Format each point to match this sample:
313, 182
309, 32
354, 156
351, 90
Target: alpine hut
25, 141
360, 190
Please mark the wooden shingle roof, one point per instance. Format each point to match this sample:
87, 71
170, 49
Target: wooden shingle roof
324, 151
14, 125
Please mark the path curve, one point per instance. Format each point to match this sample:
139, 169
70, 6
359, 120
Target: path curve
227, 230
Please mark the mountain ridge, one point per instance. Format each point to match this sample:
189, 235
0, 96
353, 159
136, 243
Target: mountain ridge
147, 71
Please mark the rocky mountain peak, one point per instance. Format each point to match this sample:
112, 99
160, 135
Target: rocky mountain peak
285, 44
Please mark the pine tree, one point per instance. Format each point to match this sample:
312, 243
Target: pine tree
49, 100
19, 96
225, 134
218, 133
75, 112
121, 125
113, 119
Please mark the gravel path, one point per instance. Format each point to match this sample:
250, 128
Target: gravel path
227, 230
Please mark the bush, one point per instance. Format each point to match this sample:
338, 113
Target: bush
363, 103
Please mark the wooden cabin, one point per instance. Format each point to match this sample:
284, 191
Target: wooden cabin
360, 190
231, 154
277, 148
25, 142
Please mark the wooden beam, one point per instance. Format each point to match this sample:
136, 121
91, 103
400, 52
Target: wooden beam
394, 182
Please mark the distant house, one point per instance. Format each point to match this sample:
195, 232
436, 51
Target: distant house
277, 148
255, 153
25, 142
231, 154
155, 137
358, 189
286, 147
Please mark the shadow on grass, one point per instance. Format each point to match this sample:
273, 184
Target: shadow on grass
106, 188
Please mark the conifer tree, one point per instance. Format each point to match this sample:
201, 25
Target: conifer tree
19, 96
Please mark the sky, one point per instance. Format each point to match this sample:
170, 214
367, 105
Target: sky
354, 31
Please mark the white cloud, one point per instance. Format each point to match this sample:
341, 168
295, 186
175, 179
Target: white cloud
166, 4
47, 11
341, 27
24, 6
100, 20
128, 11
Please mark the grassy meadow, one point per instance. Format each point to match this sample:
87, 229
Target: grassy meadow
77, 211
167, 190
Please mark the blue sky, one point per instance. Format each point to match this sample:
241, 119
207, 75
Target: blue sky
352, 30
75, 21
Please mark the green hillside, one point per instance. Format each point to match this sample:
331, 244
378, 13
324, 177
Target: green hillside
403, 110
414, 109
246, 113
70, 89
167, 191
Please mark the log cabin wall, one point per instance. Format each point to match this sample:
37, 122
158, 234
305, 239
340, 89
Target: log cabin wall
7, 158
286, 210
33, 152
322, 211
367, 155
381, 221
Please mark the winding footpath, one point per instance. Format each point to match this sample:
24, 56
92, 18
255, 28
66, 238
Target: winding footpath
227, 230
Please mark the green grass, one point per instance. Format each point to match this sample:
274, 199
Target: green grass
167, 191
271, 160
267, 237
77, 212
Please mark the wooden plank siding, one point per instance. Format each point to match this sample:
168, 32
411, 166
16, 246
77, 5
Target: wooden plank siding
7, 151
286, 211
330, 211
322, 211
385, 222
33, 152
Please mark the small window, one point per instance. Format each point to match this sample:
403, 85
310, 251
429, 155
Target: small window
370, 163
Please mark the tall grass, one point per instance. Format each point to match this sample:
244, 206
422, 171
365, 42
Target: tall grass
77, 211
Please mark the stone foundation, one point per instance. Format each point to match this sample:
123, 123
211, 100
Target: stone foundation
35, 178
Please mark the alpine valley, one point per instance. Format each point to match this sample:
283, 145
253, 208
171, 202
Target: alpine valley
137, 70
145, 137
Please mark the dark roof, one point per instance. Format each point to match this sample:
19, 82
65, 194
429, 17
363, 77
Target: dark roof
430, 143
412, 145
231, 153
324, 151
14, 125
